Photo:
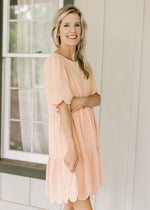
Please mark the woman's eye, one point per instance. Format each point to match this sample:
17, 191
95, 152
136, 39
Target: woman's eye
76, 25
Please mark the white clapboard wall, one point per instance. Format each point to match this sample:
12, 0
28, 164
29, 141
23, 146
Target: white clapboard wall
118, 49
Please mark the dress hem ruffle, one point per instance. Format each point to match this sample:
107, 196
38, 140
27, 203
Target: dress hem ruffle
86, 188
72, 198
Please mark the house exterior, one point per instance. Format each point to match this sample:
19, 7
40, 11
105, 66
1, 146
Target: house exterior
118, 48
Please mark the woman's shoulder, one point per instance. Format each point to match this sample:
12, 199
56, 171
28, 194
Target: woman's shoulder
53, 61
53, 57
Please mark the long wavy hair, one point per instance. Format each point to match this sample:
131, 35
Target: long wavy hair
80, 54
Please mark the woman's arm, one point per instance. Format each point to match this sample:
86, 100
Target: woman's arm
81, 102
91, 100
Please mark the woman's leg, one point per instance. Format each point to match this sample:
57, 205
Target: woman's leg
82, 204
68, 206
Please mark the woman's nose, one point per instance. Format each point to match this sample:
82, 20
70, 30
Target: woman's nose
72, 28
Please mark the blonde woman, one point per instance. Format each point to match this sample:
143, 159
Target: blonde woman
74, 168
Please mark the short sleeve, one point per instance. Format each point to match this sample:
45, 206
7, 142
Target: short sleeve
94, 88
56, 81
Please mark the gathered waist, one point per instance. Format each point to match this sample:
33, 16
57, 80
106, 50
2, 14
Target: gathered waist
52, 110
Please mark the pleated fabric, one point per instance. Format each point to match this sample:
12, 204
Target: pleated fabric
63, 80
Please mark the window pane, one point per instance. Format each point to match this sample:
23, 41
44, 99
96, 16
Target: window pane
40, 106
40, 140
20, 9
44, 8
39, 63
20, 136
14, 10
42, 41
21, 72
19, 37
21, 104
14, 113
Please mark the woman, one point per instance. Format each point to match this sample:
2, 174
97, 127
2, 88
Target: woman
74, 169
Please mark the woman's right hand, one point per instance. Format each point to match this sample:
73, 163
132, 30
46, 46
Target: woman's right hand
75, 104
78, 103
71, 159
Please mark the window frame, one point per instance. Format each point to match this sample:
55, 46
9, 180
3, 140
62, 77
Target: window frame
10, 166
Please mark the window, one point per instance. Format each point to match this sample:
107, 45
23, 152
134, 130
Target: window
26, 44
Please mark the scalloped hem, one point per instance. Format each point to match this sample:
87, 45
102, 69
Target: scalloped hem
72, 198
85, 182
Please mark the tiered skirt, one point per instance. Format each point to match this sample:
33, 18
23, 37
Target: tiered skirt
61, 183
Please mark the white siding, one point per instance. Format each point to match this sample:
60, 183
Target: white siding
23, 193
141, 196
121, 66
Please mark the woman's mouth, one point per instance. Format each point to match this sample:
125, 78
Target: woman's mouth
72, 37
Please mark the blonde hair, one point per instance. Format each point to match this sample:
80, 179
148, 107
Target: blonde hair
80, 54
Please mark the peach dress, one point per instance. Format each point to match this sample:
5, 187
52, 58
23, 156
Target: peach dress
64, 79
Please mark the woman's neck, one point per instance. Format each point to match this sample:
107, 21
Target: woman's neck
68, 52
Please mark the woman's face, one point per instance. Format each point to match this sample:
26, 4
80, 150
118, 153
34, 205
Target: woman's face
70, 30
